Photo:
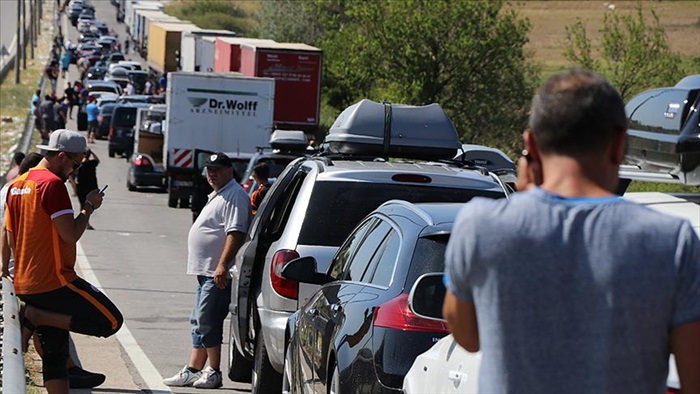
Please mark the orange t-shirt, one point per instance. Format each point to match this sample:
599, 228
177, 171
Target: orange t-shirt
43, 261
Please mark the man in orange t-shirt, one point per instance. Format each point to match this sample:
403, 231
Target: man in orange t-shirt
43, 234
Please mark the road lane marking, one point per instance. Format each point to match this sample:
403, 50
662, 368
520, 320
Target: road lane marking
148, 372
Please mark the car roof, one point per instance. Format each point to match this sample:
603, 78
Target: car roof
438, 217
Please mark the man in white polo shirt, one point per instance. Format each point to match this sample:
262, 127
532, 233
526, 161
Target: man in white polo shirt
213, 241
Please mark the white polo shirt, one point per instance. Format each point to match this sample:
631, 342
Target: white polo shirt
226, 210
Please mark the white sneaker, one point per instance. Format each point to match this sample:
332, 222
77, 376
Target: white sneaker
209, 379
183, 378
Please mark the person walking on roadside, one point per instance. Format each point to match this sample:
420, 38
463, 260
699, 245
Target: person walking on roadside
213, 241
92, 111
46, 110
42, 234
77, 377
71, 96
582, 291
65, 62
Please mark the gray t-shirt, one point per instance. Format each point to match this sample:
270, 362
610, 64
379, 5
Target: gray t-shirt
574, 295
227, 210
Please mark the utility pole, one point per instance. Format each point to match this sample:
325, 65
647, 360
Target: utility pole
32, 21
18, 55
24, 34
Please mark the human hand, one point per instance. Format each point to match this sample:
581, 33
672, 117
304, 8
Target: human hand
529, 172
95, 198
221, 279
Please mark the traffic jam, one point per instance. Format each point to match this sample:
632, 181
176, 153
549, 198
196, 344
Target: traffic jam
337, 285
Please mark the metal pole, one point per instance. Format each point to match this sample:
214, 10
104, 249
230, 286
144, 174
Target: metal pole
18, 56
24, 34
32, 21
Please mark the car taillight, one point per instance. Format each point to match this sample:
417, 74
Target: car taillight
100, 118
247, 184
111, 133
397, 314
283, 286
142, 161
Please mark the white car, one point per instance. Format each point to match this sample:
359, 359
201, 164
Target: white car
448, 368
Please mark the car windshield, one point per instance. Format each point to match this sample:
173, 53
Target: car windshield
339, 206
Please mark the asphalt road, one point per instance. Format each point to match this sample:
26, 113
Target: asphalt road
138, 253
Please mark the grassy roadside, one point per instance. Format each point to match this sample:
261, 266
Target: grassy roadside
15, 98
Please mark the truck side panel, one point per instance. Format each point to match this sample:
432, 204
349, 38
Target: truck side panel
297, 77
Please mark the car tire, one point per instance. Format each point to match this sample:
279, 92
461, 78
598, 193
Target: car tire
172, 200
130, 186
265, 379
334, 381
240, 369
110, 152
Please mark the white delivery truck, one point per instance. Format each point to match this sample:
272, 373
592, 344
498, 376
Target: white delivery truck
212, 111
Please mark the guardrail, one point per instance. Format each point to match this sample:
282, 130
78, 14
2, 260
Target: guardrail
12, 357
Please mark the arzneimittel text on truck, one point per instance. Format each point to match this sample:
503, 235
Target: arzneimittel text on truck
216, 112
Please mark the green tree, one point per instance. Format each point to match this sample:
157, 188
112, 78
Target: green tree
466, 55
633, 54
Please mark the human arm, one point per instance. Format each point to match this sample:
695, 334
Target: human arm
71, 229
461, 319
234, 240
6, 251
685, 345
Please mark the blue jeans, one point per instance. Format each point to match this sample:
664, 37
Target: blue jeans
210, 311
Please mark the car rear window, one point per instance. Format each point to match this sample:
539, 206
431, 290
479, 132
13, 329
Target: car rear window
428, 256
124, 116
276, 164
338, 206
107, 109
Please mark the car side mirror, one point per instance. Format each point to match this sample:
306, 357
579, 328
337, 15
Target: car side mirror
303, 270
427, 295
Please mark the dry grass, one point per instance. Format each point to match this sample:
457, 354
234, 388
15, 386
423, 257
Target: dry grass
681, 19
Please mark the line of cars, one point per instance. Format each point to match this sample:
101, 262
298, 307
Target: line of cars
318, 306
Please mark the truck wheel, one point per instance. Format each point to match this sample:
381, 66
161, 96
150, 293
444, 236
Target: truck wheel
172, 199
110, 152
265, 378
239, 368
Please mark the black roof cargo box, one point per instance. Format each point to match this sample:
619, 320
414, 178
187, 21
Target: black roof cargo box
369, 128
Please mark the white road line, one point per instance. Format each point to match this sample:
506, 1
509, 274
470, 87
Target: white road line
148, 372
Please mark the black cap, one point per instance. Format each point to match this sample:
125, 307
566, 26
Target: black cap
219, 160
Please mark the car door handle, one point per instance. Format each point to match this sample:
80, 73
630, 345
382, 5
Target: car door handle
456, 376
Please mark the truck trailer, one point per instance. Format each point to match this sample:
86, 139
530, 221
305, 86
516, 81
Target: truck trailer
227, 52
212, 111
197, 49
164, 40
296, 69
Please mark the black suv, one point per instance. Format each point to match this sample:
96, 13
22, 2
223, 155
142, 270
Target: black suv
121, 129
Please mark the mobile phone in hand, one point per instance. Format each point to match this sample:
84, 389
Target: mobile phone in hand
103, 189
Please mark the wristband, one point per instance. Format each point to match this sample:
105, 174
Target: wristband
89, 203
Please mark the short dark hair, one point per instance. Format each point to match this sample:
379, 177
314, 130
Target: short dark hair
262, 170
576, 112
18, 157
30, 161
